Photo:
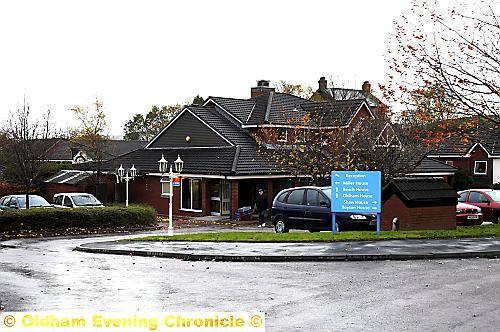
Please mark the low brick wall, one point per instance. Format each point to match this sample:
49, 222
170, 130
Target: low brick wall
433, 217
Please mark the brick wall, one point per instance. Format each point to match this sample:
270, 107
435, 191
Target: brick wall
234, 197
434, 217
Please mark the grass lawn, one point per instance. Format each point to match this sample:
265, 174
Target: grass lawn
460, 232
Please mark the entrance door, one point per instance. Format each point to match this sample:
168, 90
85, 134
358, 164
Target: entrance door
225, 197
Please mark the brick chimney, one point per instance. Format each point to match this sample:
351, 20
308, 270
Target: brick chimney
366, 87
322, 83
261, 88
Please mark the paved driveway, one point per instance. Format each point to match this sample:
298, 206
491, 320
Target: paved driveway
438, 295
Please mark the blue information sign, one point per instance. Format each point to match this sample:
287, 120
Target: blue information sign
356, 192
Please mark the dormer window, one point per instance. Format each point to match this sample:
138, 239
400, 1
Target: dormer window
283, 136
480, 167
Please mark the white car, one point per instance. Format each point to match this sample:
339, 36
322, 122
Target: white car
75, 200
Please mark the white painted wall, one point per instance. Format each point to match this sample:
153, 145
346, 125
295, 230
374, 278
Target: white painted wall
496, 170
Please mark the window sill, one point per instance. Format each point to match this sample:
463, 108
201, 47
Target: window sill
191, 210
165, 196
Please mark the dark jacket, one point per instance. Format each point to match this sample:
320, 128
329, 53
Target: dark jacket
261, 202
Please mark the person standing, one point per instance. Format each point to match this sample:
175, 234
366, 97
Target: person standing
261, 204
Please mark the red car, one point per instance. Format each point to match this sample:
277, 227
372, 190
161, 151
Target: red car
486, 199
468, 215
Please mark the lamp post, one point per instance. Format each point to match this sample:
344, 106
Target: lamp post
162, 166
126, 175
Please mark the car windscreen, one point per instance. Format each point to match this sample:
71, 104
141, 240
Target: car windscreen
85, 200
34, 201
327, 192
495, 195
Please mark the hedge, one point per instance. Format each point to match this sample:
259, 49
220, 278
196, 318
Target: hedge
91, 218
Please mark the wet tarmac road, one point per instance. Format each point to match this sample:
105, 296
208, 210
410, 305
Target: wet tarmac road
461, 295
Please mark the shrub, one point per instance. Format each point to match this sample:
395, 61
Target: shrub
92, 218
462, 180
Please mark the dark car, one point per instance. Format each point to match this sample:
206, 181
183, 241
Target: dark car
16, 202
309, 208
486, 199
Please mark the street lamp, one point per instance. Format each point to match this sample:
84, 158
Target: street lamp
162, 166
126, 175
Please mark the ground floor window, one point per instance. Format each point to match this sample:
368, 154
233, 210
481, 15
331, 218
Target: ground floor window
191, 194
165, 187
480, 167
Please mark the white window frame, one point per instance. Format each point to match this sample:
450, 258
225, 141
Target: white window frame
450, 163
165, 187
191, 195
280, 139
485, 168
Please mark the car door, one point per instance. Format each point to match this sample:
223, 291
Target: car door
478, 199
5, 203
67, 203
13, 204
317, 210
58, 200
295, 209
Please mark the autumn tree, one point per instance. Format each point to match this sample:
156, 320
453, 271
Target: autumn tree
312, 147
146, 127
92, 134
296, 89
450, 50
23, 144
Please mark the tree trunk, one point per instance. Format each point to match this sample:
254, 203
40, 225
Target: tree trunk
28, 187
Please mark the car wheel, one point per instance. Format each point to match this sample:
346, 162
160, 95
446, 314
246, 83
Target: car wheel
280, 226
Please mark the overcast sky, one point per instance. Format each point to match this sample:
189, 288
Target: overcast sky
134, 54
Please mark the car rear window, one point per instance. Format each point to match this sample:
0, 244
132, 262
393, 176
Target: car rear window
281, 197
85, 200
296, 197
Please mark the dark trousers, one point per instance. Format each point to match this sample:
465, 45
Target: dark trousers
262, 215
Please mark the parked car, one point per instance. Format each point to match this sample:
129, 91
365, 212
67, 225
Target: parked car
309, 208
468, 214
75, 200
486, 199
18, 202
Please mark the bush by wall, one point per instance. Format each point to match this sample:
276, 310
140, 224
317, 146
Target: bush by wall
92, 218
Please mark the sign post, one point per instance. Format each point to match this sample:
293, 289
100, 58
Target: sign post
356, 192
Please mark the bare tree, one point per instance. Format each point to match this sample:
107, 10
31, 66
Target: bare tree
92, 135
24, 145
452, 46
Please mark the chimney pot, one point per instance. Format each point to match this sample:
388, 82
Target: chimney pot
322, 83
263, 83
366, 87
261, 88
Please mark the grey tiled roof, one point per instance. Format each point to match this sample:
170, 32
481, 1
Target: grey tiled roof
239, 108
461, 144
421, 191
215, 161
429, 165
335, 113
64, 149
68, 177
